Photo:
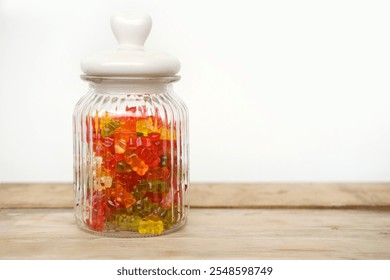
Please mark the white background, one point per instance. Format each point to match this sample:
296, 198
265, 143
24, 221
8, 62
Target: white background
277, 90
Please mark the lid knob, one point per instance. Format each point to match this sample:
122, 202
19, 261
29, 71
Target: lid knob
130, 59
131, 29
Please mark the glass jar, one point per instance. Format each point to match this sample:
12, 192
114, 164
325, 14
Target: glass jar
130, 141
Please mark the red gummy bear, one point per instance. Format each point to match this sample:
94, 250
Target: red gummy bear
97, 212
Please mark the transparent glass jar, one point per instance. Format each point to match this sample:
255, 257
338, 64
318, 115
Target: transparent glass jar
130, 157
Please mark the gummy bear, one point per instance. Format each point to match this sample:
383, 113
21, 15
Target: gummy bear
127, 180
109, 162
128, 222
97, 212
125, 198
166, 133
150, 227
161, 147
102, 183
157, 174
145, 126
144, 205
121, 197
108, 144
122, 139
139, 192
132, 137
158, 186
154, 136
154, 197
160, 212
108, 127
166, 201
128, 124
97, 166
123, 167
137, 164
120, 146
170, 218
150, 158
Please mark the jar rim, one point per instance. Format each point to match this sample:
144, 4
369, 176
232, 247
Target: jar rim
100, 79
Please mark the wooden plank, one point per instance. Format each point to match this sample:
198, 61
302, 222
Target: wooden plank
306, 196
36, 195
210, 234
294, 195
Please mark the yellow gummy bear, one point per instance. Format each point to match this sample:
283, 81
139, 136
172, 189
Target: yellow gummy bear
104, 120
165, 133
150, 227
145, 126
108, 125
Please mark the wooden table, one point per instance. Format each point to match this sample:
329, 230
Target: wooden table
227, 221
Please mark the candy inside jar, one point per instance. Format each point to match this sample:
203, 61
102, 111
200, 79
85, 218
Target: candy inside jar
133, 184
130, 140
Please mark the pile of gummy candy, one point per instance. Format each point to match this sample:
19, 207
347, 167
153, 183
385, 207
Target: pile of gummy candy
134, 174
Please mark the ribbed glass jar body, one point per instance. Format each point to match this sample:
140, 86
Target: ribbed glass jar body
130, 158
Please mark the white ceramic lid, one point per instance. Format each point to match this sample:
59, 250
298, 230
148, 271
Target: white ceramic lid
130, 59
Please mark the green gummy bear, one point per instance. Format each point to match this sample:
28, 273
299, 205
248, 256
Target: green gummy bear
144, 205
128, 222
123, 167
108, 128
158, 186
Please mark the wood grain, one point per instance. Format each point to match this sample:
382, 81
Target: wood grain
210, 234
266, 196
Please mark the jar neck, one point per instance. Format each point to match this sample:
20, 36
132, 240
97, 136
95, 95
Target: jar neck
125, 88
151, 85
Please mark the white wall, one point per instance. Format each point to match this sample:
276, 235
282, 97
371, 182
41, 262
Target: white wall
277, 90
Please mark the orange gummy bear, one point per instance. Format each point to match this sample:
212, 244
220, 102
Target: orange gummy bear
137, 164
